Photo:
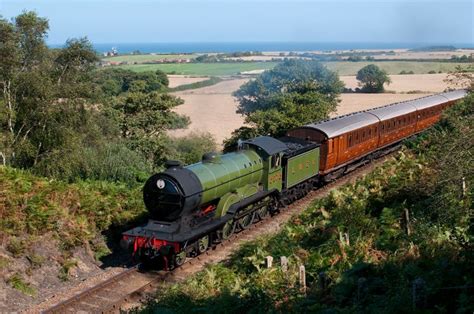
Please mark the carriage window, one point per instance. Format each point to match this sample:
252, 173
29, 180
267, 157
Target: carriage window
350, 141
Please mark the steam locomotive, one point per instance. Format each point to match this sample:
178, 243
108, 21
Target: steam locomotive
195, 206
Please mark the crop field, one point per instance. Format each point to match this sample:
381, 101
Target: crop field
342, 67
148, 57
204, 69
393, 67
413, 83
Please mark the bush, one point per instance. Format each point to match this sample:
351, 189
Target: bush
189, 149
74, 214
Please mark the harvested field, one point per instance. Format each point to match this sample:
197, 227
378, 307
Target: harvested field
177, 80
393, 67
424, 83
211, 109
357, 102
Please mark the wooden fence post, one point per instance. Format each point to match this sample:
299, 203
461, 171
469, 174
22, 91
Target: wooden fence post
284, 263
302, 279
464, 188
269, 261
407, 221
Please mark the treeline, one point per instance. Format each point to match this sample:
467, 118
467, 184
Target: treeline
63, 117
225, 57
398, 240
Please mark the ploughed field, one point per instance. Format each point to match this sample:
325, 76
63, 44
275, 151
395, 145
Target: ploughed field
212, 108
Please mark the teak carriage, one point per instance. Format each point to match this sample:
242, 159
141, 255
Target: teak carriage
349, 138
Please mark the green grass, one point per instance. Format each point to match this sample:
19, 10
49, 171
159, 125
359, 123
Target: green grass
148, 57
207, 69
18, 283
393, 67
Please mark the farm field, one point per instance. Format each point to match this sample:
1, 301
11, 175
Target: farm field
425, 83
212, 109
178, 80
357, 102
148, 57
211, 69
393, 67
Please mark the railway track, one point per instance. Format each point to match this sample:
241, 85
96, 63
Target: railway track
132, 286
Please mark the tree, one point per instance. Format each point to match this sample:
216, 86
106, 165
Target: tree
143, 119
294, 93
302, 104
372, 79
257, 94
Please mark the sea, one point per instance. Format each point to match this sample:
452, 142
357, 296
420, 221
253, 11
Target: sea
204, 47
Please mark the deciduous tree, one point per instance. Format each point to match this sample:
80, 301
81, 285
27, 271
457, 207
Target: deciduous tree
372, 79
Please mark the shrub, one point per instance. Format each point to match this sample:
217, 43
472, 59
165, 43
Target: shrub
66, 267
189, 149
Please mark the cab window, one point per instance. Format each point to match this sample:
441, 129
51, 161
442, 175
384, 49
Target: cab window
276, 161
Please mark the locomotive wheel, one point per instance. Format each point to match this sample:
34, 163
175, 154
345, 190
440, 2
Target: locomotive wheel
203, 244
227, 230
246, 221
262, 212
180, 258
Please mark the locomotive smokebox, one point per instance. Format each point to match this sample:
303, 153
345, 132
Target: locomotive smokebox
168, 194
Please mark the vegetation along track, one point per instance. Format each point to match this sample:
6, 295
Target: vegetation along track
132, 285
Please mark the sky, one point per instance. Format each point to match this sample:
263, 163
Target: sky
151, 21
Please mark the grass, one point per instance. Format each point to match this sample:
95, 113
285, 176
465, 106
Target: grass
205, 69
148, 57
18, 283
393, 67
